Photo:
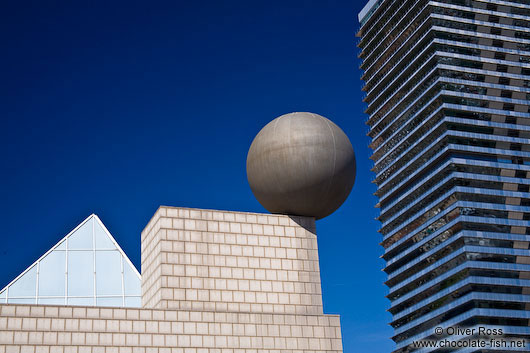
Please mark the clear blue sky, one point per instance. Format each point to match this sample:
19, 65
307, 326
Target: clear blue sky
115, 108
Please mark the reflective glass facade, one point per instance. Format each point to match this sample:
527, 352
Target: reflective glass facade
447, 87
86, 267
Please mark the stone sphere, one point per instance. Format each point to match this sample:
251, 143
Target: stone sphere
301, 164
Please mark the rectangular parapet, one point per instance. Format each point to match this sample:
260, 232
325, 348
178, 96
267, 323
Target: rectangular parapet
42, 328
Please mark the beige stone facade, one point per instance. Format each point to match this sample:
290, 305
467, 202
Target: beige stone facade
212, 281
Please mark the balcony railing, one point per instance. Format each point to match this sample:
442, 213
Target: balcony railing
382, 51
376, 20
398, 24
419, 90
367, 76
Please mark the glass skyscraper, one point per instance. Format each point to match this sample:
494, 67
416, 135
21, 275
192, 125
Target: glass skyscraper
447, 87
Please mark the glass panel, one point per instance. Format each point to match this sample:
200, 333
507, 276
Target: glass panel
2, 295
51, 274
108, 273
80, 273
115, 301
21, 300
61, 246
82, 238
80, 301
102, 239
26, 285
133, 302
59, 301
131, 282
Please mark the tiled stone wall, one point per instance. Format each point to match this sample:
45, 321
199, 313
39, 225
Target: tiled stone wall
61, 329
223, 261
212, 282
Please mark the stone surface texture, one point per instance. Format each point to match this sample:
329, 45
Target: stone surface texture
301, 164
213, 281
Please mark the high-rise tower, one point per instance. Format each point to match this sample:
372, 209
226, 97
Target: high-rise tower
447, 84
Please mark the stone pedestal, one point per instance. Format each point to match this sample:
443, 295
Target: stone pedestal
230, 262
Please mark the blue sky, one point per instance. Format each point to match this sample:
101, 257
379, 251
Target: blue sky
115, 108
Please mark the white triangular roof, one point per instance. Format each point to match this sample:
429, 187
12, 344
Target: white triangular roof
86, 267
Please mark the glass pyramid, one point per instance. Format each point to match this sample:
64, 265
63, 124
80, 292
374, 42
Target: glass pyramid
86, 267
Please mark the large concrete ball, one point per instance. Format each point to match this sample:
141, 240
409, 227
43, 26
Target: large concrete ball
301, 164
